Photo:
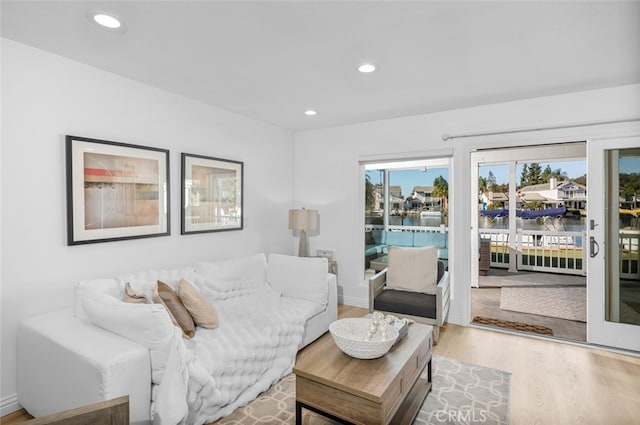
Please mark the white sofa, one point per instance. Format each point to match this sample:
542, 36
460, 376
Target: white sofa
66, 361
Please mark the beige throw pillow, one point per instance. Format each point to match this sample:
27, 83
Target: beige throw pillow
413, 269
201, 310
163, 294
131, 296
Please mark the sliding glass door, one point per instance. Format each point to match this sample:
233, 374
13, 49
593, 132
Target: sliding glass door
614, 243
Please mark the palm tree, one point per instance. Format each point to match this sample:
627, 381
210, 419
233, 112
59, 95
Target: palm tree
369, 197
441, 190
482, 187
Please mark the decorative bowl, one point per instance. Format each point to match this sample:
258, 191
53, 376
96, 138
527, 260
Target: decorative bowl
354, 338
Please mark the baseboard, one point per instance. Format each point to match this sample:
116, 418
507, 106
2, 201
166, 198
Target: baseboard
9, 404
352, 301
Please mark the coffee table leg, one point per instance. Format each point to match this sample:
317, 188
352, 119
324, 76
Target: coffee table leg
298, 413
429, 371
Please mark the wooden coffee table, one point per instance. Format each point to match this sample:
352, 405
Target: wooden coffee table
388, 390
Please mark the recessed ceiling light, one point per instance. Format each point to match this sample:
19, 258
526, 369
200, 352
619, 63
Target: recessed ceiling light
310, 112
108, 21
366, 68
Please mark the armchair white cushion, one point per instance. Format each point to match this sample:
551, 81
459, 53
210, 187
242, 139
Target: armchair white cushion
413, 269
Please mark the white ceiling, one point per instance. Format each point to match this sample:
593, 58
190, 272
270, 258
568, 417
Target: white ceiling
273, 60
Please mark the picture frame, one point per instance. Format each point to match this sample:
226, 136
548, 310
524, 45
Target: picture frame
212, 194
115, 191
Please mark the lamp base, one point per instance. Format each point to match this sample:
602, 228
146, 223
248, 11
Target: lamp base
303, 248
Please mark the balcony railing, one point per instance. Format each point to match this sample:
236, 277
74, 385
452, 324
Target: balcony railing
548, 251
414, 229
539, 250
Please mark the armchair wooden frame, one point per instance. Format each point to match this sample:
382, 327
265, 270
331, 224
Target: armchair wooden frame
377, 286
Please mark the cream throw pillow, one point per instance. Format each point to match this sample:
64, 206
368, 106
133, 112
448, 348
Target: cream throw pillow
200, 309
413, 269
180, 316
131, 296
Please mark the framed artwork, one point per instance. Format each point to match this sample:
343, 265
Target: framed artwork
115, 191
211, 194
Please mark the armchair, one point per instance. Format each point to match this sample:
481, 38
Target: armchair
415, 285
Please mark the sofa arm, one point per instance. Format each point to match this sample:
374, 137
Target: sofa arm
65, 362
332, 300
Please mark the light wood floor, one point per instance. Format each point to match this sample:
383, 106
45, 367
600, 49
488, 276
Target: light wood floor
551, 382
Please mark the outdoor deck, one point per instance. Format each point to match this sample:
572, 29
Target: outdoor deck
485, 300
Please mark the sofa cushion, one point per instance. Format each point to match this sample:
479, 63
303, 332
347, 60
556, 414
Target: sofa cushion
413, 269
236, 273
430, 239
179, 314
374, 249
299, 277
200, 309
147, 324
400, 239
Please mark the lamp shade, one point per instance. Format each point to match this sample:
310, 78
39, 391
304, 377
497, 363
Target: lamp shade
303, 219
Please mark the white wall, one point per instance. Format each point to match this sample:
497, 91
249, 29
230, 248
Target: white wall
327, 174
45, 97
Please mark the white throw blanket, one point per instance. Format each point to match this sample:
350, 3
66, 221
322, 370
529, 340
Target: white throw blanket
224, 368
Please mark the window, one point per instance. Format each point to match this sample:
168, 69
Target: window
403, 199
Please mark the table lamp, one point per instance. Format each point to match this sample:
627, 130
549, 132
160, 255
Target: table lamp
303, 220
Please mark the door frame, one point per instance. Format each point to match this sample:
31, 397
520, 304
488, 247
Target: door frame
600, 331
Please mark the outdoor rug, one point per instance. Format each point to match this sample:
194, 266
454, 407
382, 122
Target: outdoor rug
518, 326
462, 393
564, 302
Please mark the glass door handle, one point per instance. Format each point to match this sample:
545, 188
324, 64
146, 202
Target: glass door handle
594, 248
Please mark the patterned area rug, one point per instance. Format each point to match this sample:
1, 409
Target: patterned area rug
462, 393
519, 326
568, 302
